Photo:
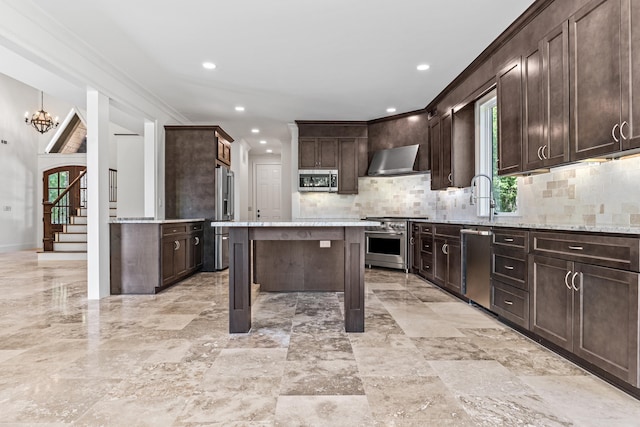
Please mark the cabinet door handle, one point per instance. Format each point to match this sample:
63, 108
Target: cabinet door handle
576, 248
176, 245
621, 127
566, 280
544, 156
539, 155
508, 302
613, 132
450, 178
508, 240
197, 240
445, 249
412, 241
508, 267
573, 281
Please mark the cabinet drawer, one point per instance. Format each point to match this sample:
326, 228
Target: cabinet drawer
415, 228
510, 270
168, 229
510, 303
426, 264
195, 226
511, 238
447, 230
426, 228
427, 244
607, 251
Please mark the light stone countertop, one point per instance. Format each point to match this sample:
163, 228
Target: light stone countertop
147, 220
298, 223
555, 227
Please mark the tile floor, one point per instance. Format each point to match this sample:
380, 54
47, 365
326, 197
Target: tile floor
425, 359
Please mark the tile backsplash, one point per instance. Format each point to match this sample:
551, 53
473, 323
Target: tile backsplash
583, 194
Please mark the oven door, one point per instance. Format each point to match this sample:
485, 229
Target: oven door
386, 249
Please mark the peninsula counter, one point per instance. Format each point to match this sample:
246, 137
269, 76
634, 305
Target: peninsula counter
350, 232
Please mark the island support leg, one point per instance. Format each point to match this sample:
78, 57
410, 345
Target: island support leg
239, 281
354, 279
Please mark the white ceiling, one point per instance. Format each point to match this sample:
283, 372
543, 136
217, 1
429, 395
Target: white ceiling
285, 60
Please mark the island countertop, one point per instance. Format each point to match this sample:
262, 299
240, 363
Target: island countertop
148, 220
298, 223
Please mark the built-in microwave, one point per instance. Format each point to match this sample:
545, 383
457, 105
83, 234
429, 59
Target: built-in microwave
318, 180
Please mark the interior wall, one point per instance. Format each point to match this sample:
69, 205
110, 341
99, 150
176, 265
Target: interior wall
130, 166
18, 166
240, 168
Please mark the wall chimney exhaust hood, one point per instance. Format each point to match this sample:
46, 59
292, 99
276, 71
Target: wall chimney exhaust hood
394, 161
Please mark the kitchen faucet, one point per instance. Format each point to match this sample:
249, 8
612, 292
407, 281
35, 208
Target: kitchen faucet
492, 202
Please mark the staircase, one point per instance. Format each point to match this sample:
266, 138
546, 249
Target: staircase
71, 243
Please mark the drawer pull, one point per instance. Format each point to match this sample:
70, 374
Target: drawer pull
426, 267
174, 230
508, 302
566, 280
508, 239
508, 267
576, 248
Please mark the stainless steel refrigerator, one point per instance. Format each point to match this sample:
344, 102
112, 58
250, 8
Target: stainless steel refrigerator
224, 183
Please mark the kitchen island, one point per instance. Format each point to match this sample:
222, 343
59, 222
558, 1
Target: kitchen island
241, 234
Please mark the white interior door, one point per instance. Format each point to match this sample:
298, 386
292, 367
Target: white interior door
268, 192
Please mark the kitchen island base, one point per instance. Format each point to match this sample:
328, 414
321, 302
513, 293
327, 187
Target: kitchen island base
242, 234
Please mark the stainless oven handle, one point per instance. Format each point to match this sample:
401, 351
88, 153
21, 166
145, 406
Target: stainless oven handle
386, 233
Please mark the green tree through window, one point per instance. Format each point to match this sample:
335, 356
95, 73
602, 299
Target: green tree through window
505, 188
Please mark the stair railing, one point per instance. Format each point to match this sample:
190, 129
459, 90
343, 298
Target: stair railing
55, 213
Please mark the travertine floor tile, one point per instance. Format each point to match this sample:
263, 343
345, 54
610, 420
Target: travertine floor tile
425, 359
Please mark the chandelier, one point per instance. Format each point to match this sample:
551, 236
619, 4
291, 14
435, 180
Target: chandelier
41, 120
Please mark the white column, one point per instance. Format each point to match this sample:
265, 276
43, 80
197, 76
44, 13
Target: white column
150, 168
293, 165
97, 195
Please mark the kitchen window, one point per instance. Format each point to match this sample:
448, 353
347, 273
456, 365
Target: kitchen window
505, 188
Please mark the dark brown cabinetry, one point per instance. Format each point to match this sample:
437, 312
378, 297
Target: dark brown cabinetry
440, 134
414, 247
191, 156
334, 145
318, 153
579, 302
348, 166
602, 58
423, 252
447, 257
510, 100
149, 257
509, 285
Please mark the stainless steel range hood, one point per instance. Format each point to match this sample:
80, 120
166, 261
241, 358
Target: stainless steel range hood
394, 161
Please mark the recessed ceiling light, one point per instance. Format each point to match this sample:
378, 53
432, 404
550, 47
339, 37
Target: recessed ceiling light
254, 130
423, 67
209, 65
262, 141
391, 110
269, 151
239, 108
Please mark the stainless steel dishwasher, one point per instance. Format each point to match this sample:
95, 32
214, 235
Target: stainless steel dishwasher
476, 264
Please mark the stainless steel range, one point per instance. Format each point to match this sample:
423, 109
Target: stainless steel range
387, 245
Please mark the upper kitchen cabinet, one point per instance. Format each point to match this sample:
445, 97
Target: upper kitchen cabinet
334, 145
440, 138
191, 156
603, 57
546, 101
452, 139
510, 117
318, 153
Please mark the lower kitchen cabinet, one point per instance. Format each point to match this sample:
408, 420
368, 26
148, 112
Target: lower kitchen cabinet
589, 310
149, 257
447, 257
510, 303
